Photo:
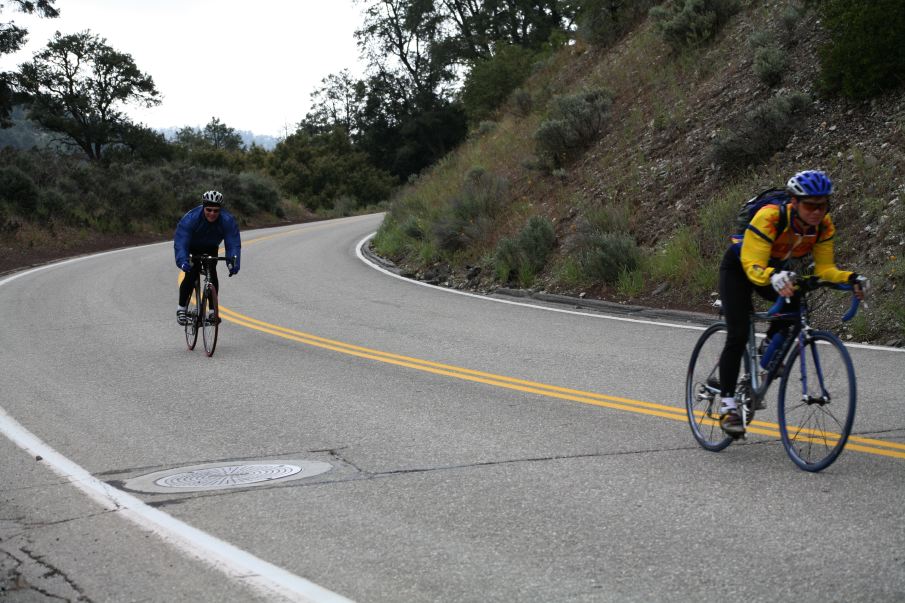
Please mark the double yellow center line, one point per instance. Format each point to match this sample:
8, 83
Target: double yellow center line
861, 444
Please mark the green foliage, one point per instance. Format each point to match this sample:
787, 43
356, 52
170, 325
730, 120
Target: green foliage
865, 54
602, 22
691, 23
17, 190
522, 103
763, 131
606, 255
575, 121
75, 87
119, 196
469, 215
11, 39
491, 80
390, 240
323, 167
717, 221
630, 282
525, 255
681, 263
770, 64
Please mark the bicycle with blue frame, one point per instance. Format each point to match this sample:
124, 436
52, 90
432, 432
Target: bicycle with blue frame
815, 418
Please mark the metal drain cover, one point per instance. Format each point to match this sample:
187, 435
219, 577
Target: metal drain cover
220, 476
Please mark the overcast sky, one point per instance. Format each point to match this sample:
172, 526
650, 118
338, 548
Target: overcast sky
251, 64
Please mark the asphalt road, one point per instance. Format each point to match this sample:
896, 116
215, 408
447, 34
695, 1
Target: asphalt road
477, 450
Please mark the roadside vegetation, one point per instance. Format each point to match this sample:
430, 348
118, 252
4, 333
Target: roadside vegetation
689, 111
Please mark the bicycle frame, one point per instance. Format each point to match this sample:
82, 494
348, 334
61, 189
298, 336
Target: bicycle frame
814, 428
207, 318
798, 336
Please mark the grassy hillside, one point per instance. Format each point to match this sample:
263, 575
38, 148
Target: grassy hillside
642, 213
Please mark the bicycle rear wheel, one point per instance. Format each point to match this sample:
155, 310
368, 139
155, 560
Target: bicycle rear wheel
816, 426
210, 319
191, 315
702, 389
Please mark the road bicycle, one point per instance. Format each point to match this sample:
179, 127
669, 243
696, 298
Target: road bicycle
203, 311
814, 426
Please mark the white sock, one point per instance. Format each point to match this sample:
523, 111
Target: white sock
728, 404
180, 307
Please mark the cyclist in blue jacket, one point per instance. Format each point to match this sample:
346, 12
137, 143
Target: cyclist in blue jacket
200, 231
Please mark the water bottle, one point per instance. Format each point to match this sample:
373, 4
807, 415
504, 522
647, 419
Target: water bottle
775, 344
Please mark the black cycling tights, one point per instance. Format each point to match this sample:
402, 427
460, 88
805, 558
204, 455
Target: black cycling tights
735, 293
185, 288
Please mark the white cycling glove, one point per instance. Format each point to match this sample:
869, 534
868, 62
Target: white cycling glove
782, 279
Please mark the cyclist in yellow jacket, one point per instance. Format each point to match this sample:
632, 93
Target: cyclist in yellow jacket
779, 232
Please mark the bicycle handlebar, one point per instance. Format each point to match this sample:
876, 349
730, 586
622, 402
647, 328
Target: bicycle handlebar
202, 257
812, 283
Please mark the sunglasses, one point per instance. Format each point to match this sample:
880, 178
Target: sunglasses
809, 206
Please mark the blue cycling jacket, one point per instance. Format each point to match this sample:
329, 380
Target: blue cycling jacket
194, 232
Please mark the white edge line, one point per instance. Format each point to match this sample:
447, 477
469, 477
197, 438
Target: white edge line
268, 579
361, 257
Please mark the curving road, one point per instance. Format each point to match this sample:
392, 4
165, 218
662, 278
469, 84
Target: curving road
476, 450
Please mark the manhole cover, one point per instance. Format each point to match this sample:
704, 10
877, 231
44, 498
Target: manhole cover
219, 476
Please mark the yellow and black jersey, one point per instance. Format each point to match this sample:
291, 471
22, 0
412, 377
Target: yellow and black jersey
764, 249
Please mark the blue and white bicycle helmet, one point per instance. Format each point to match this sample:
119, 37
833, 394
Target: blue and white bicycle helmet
212, 198
810, 183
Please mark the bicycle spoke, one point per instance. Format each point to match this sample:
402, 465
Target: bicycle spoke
702, 397
815, 428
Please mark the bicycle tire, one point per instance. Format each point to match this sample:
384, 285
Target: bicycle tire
815, 429
191, 315
701, 401
210, 319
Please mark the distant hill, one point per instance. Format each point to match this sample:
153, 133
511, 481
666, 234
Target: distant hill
24, 135
248, 137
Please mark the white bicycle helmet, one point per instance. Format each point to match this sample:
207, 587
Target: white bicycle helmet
212, 198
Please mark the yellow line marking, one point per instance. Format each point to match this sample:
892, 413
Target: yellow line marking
858, 443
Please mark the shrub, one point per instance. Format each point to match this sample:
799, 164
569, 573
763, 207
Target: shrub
630, 282
789, 19
866, 51
536, 242
486, 127
608, 255
526, 254
522, 103
763, 131
680, 262
770, 64
390, 241
603, 22
691, 23
17, 190
469, 215
412, 229
575, 122
491, 80
344, 205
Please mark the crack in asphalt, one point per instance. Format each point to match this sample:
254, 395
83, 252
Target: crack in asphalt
368, 475
22, 570
54, 571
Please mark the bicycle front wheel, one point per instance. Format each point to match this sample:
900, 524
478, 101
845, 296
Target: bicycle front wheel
191, 315
702, 389
210, 319
816, 426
